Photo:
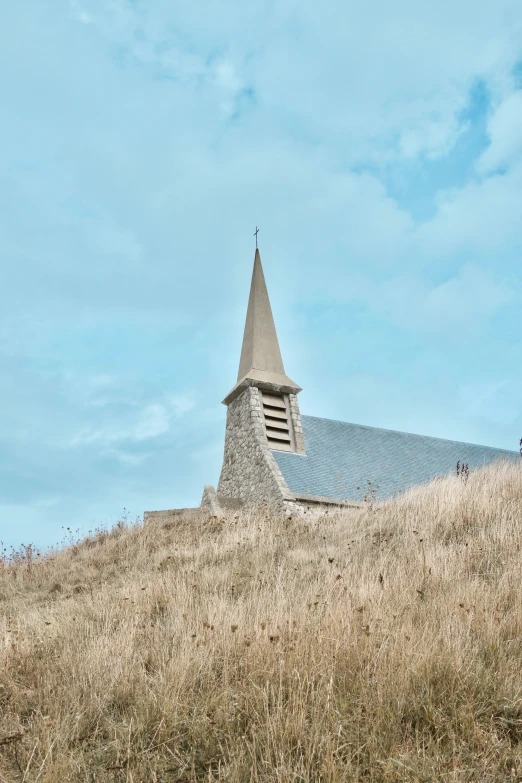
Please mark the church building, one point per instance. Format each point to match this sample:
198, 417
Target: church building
293, 462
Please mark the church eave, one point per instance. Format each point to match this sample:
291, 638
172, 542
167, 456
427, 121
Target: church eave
262, 379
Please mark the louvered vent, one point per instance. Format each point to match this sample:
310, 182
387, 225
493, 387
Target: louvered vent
277, 424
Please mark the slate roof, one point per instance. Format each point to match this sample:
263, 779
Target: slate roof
341, 457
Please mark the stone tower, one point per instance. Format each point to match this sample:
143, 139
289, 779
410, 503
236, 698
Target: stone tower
262, 414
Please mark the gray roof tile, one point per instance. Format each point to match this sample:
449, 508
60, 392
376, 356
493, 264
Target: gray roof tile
341, 457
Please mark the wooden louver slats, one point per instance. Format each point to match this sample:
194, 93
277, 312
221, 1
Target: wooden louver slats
274, 413
278, 434
276, 422
273, 401
281, 446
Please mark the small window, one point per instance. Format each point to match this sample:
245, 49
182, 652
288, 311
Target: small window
277, 422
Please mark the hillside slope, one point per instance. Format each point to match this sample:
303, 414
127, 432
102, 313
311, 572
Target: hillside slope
383, 644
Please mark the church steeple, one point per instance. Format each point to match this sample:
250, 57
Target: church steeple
261, 364
260, 349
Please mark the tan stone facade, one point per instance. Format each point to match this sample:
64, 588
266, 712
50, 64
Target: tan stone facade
249, 471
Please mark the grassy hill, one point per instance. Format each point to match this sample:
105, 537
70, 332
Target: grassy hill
383, 644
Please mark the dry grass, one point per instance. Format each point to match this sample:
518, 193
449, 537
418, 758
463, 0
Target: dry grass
357, 646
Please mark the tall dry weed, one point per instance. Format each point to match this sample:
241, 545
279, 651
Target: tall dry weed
378, 644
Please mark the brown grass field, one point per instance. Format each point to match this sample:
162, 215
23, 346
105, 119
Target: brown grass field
375, 645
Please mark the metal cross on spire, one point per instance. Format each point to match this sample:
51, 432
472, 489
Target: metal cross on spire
256, 232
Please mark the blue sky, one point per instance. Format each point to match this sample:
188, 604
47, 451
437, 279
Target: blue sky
379, 150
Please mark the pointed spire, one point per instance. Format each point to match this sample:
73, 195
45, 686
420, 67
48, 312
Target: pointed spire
261, 363
260, 349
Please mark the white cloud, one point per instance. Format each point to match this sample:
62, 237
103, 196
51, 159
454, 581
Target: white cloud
135, 426
181, 403
79, 13
384, 87
230, 83
227, 77
435, 139
459, 308
154, 420
482, 219
126, 458
467, 298
505, 134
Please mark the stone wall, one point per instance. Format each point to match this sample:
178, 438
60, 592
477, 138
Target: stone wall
249, 470
173, 516
218, 505
295, 416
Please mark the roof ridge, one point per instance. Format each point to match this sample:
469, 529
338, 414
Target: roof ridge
414, 434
